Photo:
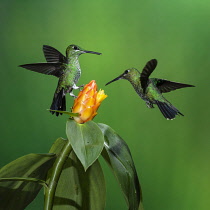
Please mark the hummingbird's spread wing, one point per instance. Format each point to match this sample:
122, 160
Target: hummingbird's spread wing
52, 55
45, 68
165, 86
147, 70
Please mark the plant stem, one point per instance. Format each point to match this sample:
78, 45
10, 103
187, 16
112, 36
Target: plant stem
55, 175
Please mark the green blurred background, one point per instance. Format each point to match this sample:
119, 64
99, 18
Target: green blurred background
172, 157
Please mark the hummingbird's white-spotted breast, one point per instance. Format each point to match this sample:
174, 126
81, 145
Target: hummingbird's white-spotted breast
66, 68
150, 90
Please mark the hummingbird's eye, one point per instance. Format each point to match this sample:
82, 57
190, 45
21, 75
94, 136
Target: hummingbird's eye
126, 71
75, 48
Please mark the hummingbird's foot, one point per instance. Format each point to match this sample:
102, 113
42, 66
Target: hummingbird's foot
81, 87
72, 94
149, 105
76, 87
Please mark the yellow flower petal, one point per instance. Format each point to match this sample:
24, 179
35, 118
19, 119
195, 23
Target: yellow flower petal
90, 93
89, 102
100, 96
78, 108
87, 113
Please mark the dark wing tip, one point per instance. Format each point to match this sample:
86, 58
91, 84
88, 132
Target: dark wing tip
166, 86
186, 85
153, 63
23, 65
149, 68
45, 45
154, 60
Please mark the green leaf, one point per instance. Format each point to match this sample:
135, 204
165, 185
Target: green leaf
39, 181
18, 194
118, 156
78, 189
141, 206
58, 146
87, 141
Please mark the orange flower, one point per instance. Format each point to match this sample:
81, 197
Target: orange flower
88, 102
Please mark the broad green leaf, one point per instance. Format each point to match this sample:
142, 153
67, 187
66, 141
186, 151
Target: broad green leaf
58, 146
141, 206
18, 194
118, 156
87, 141
78, 189
38, 181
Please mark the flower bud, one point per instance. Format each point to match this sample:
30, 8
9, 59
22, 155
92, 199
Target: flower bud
88, 102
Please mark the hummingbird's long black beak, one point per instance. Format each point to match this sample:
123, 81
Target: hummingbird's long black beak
117, 78
97, 53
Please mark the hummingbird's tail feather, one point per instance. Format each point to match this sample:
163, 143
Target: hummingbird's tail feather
168, 110
59, 102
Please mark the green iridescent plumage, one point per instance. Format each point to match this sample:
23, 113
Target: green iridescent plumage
150, 90
66, 68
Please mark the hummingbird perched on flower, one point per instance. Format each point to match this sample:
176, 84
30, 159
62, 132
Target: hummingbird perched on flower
66, 68
150, 90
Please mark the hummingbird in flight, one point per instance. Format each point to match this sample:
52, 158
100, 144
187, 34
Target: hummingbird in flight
151, 89
66, 68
